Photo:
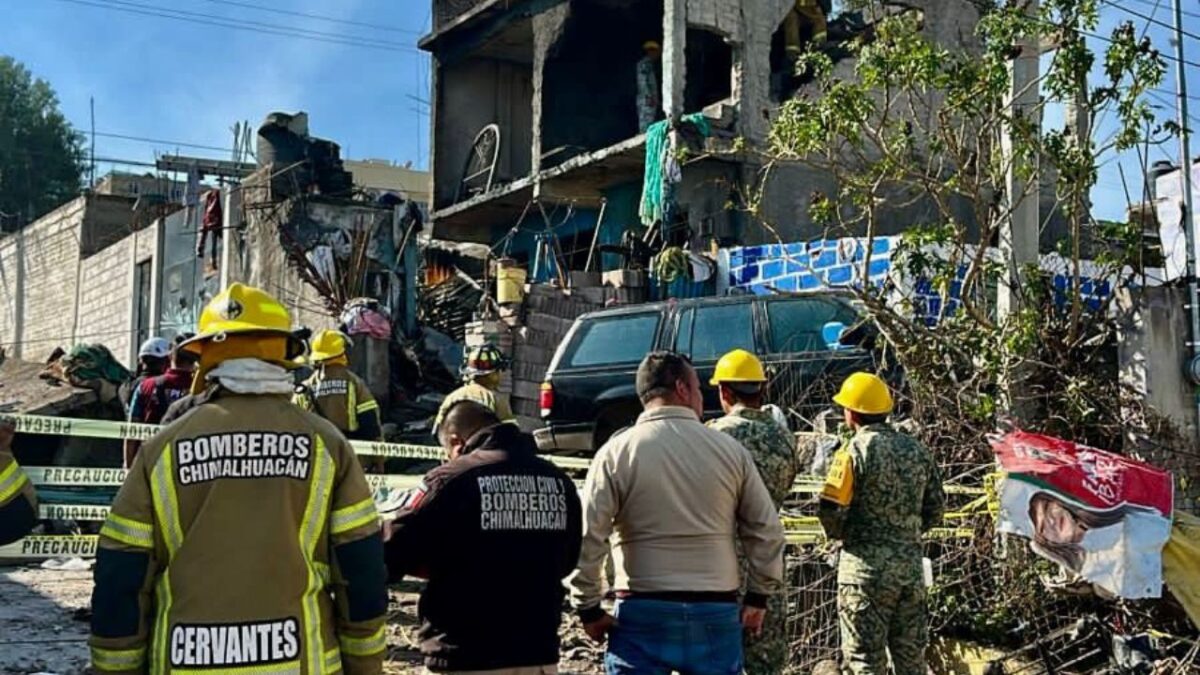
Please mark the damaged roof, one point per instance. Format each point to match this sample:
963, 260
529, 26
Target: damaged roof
23, 391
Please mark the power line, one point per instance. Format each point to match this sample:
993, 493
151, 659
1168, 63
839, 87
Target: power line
1184, 12
267, 29
305, 32
159, 141
1110, 41
316, 17
1149, 19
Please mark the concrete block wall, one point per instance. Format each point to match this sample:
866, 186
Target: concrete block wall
10, 287
69, 298
52, 268
106, 298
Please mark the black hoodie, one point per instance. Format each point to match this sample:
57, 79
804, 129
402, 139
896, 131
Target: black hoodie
495, 531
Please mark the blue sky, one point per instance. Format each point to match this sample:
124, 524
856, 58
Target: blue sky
189, 82
184, 81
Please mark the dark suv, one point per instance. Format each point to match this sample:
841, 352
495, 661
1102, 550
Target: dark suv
589, 390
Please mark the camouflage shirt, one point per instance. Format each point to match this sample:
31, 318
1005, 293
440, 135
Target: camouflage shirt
772, 446
897, 496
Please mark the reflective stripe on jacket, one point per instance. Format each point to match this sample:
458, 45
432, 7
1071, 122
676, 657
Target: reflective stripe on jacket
340, 396
244, 539
18, 501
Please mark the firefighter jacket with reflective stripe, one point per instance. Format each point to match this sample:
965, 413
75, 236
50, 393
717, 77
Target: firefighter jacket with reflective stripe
18, 502
340, 396
496, 531
244, 540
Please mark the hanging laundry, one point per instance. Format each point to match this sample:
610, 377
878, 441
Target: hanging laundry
663, 171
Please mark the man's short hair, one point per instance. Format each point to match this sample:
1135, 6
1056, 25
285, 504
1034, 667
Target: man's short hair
747, 393
183, 357
659, 372
867, 420
464, 419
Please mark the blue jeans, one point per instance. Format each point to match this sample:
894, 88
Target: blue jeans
654, 637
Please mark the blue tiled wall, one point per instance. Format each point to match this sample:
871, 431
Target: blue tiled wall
820, 263
807, 265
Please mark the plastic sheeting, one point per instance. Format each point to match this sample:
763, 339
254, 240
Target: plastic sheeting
1181, 564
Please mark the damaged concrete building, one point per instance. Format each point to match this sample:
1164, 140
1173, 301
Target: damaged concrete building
535, 101
116, 269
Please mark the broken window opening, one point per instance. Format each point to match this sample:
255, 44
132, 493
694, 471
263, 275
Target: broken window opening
590, 98
709, 69
812, 25
484, 117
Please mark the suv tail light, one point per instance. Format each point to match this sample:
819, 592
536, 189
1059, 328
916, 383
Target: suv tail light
546, 399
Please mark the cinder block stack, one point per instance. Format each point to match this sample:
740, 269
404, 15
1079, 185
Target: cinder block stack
548, 313
625, 287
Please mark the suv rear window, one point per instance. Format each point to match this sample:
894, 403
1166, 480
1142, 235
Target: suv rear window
707, 333
613, 340
796, 323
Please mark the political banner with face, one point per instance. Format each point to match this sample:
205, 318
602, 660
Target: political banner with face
1100, 515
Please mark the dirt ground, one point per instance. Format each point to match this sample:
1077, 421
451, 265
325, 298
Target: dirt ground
44, 618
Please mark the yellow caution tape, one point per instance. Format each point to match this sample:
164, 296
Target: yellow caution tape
81, 476
52, 546
803, 530
85, 428
84, 512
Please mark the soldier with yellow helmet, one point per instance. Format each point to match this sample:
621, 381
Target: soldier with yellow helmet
336, 393
742, 381
244, 538
883, 491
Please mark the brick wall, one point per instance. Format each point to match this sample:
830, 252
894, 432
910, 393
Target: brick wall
106, 296
69, 298
52, 264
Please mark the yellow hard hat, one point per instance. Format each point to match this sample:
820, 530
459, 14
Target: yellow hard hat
327, 344
651, 44
865, 393
240, 309
738, 365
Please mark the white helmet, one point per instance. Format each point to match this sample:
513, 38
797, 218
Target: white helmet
155, 347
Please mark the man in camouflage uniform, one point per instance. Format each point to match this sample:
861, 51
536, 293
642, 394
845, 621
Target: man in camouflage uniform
883, 491
741, 378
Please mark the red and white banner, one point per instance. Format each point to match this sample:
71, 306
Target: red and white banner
1100, 515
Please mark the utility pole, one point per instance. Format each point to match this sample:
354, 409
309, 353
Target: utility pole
92, 163
1185, 173
1019, 231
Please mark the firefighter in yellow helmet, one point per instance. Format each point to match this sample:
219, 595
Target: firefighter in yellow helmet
884, 489
741, 381
18, 501
244, 538
336, 393
481, 376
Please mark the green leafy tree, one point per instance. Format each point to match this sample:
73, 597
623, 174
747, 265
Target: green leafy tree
41, 156
918, 123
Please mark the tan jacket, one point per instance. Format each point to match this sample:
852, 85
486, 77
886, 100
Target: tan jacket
18, 501
342, 397
674, 495
244, 539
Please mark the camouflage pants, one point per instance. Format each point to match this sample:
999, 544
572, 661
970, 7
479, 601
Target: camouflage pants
767, 653
876, 618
